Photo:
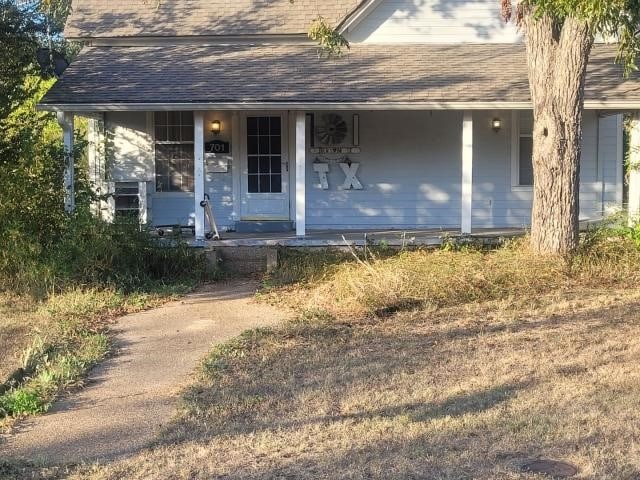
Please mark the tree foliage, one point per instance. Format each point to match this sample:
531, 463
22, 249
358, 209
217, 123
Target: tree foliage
19, 41
24, 31
614, 20
331, 42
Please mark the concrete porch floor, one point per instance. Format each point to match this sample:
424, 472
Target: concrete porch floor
358, 238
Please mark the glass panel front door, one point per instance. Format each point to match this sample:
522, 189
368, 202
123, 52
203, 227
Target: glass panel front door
264, 154
265, 169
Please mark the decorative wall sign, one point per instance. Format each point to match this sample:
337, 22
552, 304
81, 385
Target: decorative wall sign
334, 150
356, 129
333, 129
322, 169
216, 163
351, 182
217, 146
332, 133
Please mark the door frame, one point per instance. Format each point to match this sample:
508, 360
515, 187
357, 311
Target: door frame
241, 182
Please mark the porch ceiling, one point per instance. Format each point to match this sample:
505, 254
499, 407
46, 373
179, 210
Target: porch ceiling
293, 76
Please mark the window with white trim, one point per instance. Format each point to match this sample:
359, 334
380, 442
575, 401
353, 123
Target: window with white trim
522, 175
174, 150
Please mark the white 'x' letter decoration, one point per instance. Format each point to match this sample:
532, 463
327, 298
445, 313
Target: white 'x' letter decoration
351, 181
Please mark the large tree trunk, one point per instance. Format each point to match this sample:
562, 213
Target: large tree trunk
557, 60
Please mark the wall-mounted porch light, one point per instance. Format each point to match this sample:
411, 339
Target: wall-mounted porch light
496, 124
216, 127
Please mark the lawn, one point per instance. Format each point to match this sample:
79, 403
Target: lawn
57, 300
466, 371
16, 326
47, 345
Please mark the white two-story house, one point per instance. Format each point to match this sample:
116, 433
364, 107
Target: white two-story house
425, 122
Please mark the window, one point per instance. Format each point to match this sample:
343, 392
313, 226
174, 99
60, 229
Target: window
264, 154
523, 149
174, 151
127, 201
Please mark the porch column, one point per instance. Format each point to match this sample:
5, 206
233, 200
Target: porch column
467, 172
198, 174
66, 121
301, 157
634, 169
235, 166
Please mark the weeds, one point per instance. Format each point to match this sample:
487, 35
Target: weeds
68, 335
381, 286
91, 252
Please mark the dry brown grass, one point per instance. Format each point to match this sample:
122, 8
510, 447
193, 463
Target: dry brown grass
47, 346
23, 319
16, 328
489, 361
441, 278
467, 392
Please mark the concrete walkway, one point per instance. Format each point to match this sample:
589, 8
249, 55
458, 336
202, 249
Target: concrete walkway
134, 393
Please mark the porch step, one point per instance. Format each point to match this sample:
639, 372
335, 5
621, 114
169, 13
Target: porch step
264, 226
243, 260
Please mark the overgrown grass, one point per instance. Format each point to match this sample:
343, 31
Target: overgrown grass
66, 335
493, 359
448, 277
57, 295
87, 251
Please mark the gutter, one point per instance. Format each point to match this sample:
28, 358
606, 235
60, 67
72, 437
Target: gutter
200, 40
257, 106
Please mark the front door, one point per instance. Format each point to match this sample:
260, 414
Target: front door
265, 169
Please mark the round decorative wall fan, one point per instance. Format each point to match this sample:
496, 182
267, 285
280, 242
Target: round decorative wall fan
333, 130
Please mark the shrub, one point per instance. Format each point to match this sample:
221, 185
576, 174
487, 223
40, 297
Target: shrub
90, 252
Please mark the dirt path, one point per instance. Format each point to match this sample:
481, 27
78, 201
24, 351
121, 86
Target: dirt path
134, 393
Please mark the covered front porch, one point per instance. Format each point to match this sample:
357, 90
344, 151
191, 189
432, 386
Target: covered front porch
432, 173
436, 149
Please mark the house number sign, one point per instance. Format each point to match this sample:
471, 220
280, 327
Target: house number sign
350, 171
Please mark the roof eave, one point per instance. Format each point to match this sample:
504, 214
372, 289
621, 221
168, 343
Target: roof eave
459, 106
357, 15
162, 40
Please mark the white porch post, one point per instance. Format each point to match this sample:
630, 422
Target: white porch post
143, 207
235, 165
198, 174
634, 169
301, 148
66, 121
467, 172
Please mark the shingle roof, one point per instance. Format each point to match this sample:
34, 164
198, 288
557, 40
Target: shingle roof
123, 18
371, 74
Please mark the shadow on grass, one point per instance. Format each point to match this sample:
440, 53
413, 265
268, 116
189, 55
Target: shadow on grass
409, 398
321, 361
454, 406
439, 407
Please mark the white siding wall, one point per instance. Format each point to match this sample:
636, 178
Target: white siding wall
611, 158
435, 21
130, 157
128, 149
219, 185
410, 168
497, 204
129, 146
